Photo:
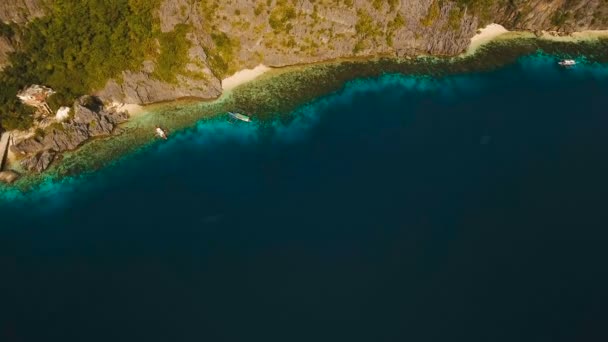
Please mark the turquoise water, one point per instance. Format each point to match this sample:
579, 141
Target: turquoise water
466, 208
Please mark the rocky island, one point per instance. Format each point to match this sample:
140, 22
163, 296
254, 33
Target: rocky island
84, 59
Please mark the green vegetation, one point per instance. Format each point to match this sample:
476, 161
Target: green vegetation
600, 17
173, 56
364, 28
281, 15
393, 26
6, 30
222, 56
259, 8
455, 18
393, 4
76, 48
208, 9
83, 43
365, 24
13, 114
79, 45
481, 8
377, 4
559, 18
432, 14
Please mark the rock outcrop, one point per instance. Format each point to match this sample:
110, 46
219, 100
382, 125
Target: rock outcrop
39, 162
554, 15
8, 176
22, 11
142, 88
90, 120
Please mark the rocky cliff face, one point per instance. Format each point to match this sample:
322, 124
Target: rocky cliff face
226, 36
142, 88
230, 35
22, 11
555, 15
308, 31
90, 120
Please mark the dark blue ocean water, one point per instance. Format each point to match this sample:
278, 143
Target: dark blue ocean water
469, 208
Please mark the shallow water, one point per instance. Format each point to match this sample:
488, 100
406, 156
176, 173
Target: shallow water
463, 208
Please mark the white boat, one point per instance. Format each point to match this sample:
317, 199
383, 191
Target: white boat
567, 62
161, 133
239, 117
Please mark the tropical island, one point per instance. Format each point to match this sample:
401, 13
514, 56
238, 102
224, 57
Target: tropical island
73, 71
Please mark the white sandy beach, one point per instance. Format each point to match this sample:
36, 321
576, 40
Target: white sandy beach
496, 31
243, 76
486, 35
131, 108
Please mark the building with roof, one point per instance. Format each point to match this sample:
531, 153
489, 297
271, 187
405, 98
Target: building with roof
36, 96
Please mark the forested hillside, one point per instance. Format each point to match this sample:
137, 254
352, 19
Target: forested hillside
143, 51
77, 47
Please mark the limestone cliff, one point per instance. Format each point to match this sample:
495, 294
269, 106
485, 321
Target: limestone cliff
212, 39
228, 36
225, 36
555, 15
231, 35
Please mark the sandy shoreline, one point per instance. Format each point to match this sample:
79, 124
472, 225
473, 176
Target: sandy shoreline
484, 36
131, 108
243, 76
494, 32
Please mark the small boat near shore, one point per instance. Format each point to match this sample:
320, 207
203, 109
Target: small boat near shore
161, 133
239, 116
567, 62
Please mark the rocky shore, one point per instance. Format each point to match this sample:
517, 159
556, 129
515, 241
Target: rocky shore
243, 34
280, 91
225, 37
90, 119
